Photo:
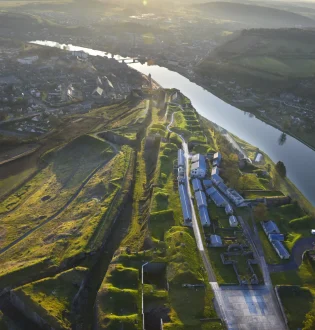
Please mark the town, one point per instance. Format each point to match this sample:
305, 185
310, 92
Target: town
39, 86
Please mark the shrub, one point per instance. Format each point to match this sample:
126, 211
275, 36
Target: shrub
305, 222
175, 140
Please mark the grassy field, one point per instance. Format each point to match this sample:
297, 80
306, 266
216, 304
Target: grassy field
289, 67
118, 298
293, 296
13, 181
52, 188
51, 298
304, 276
80, 228
292, 222
170, 243
267, 53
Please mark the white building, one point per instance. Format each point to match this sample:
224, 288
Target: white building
198, 167
233, 221
216, 240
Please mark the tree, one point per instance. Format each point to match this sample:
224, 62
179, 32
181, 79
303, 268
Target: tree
244, 182
260, 212
281, 169
233, 175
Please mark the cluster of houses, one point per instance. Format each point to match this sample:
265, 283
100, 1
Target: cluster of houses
215, 187
201, 202
211, 188
276, 238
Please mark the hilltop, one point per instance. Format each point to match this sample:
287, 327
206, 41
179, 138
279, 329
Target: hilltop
254, 15
267, 54
269, 72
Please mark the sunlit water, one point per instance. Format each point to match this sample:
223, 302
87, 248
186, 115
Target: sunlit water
298, 158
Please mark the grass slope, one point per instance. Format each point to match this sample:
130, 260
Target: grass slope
51, 298
51, 189
254, 15
80, 228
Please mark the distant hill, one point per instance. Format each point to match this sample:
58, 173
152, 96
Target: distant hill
255, 16
258, 56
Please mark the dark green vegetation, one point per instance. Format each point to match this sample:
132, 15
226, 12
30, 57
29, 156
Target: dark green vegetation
156, 228
62, 216
281, 169
270, 55
299, 306
51, 298
253, 15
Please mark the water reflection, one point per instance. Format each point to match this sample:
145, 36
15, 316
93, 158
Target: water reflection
282, 139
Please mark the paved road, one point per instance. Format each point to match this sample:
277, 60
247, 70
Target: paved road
302, 245
253, 237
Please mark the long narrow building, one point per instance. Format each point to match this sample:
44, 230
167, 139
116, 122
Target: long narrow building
180, 158
185, 203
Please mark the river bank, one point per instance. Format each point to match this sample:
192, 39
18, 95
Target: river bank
195, 78
234, 120
252, 110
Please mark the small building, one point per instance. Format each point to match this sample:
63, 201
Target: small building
195, 158
259, 158
222, 187
216, 197
216, 241
185, 203
270, 227
210, 191
201, 198
180, 158
229, 209
207, 184
198, 169
233, 221
197, 185
276, 237
217, 158
215, 170
235, 197
181, 175
216, 179
281, 250
97, 93
204, 216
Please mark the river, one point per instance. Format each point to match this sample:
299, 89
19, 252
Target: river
249, 128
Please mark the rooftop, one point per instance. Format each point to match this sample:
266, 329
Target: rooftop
282, 251
196, 184
270, 227
201, 198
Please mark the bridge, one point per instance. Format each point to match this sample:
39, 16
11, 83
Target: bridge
141, 60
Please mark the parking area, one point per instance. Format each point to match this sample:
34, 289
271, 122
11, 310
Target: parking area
247, 309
